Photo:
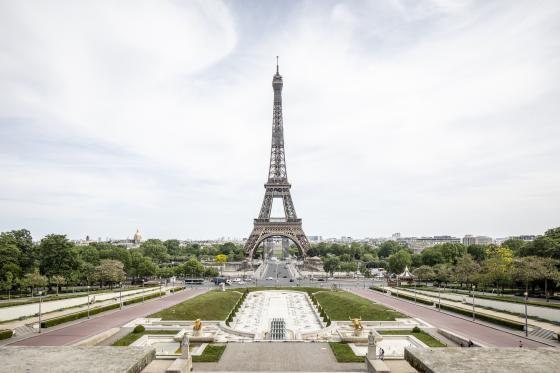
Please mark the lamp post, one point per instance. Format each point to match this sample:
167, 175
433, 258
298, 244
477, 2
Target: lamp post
439, 298
88, 301
120, 295
40, 305
414, 291
473, 314
143, 291
526, 326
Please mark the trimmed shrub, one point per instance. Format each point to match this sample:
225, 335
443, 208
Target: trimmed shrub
488, 318
6, 333
139, 329
418, 300
416, 330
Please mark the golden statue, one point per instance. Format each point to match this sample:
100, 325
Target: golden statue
357, 324
197, 327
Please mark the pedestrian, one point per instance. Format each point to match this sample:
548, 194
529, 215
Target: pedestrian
520, 344
470, 343
382, 354
462, 344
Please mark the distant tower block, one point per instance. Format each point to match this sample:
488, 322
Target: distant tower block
277, 187
137, 237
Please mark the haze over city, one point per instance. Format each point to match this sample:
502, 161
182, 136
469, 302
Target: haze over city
426, 118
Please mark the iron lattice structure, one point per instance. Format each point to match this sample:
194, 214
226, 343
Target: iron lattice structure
277, 186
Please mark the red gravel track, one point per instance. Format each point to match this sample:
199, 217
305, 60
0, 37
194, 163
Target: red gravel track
477, 332
68, 335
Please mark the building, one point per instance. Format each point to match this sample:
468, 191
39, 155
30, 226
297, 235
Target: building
396, 236
419, 244
469, 239
315, 239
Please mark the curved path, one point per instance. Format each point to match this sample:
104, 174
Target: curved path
68, 335
477, 332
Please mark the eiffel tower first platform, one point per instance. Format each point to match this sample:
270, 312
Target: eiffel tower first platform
277, 186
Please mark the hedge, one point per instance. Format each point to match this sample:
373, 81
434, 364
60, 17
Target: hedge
6, 333
236, 307
404, 296
491, 319
94, 311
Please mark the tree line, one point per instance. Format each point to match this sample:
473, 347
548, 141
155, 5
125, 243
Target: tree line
515, 263
55, 261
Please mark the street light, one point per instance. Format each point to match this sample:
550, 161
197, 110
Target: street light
414, 291
40, 304
88, 301
473, 314
142, 290
526, 326
120, 294
439, 298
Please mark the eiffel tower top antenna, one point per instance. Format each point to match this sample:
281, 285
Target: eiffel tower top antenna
277, 65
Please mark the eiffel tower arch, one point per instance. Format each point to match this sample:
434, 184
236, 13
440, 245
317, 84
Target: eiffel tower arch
277, 187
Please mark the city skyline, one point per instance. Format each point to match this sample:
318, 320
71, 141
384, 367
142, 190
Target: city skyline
433, 118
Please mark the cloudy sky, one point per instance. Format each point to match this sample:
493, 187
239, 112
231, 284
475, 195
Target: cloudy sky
420, 117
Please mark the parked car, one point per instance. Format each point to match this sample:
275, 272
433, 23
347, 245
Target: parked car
321, 279
269, 278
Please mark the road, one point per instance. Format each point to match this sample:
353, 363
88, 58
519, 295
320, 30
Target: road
68, 335
276, 270
477, 332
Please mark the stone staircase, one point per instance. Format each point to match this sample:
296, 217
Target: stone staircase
542, 333
24, 330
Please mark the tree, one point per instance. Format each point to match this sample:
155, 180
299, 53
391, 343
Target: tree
24, 242
452, 251
400, 260
34, 280
155, 249
544, 246
7, 282
527, 269
388, 248
416, 260
496, 269
58, 256
514, 244
109, 271
465, 269
211, 272
432, 255
550, 272
478, 252
348, 267
221, 258
424, 273
442, 273
57, 280
173, 247
89, 254
331, 264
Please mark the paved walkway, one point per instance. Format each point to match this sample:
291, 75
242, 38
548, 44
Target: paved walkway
477, 332
468, 307
63, 307
279, 357
70, 334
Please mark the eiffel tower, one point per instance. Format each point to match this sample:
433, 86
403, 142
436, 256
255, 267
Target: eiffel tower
277, 186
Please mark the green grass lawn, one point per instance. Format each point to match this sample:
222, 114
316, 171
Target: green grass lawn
214, 305
211, 354
341, 305
423, 336
128, 339
344, 354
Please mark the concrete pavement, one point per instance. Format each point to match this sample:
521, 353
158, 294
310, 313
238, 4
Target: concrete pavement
71, 333
481, 333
